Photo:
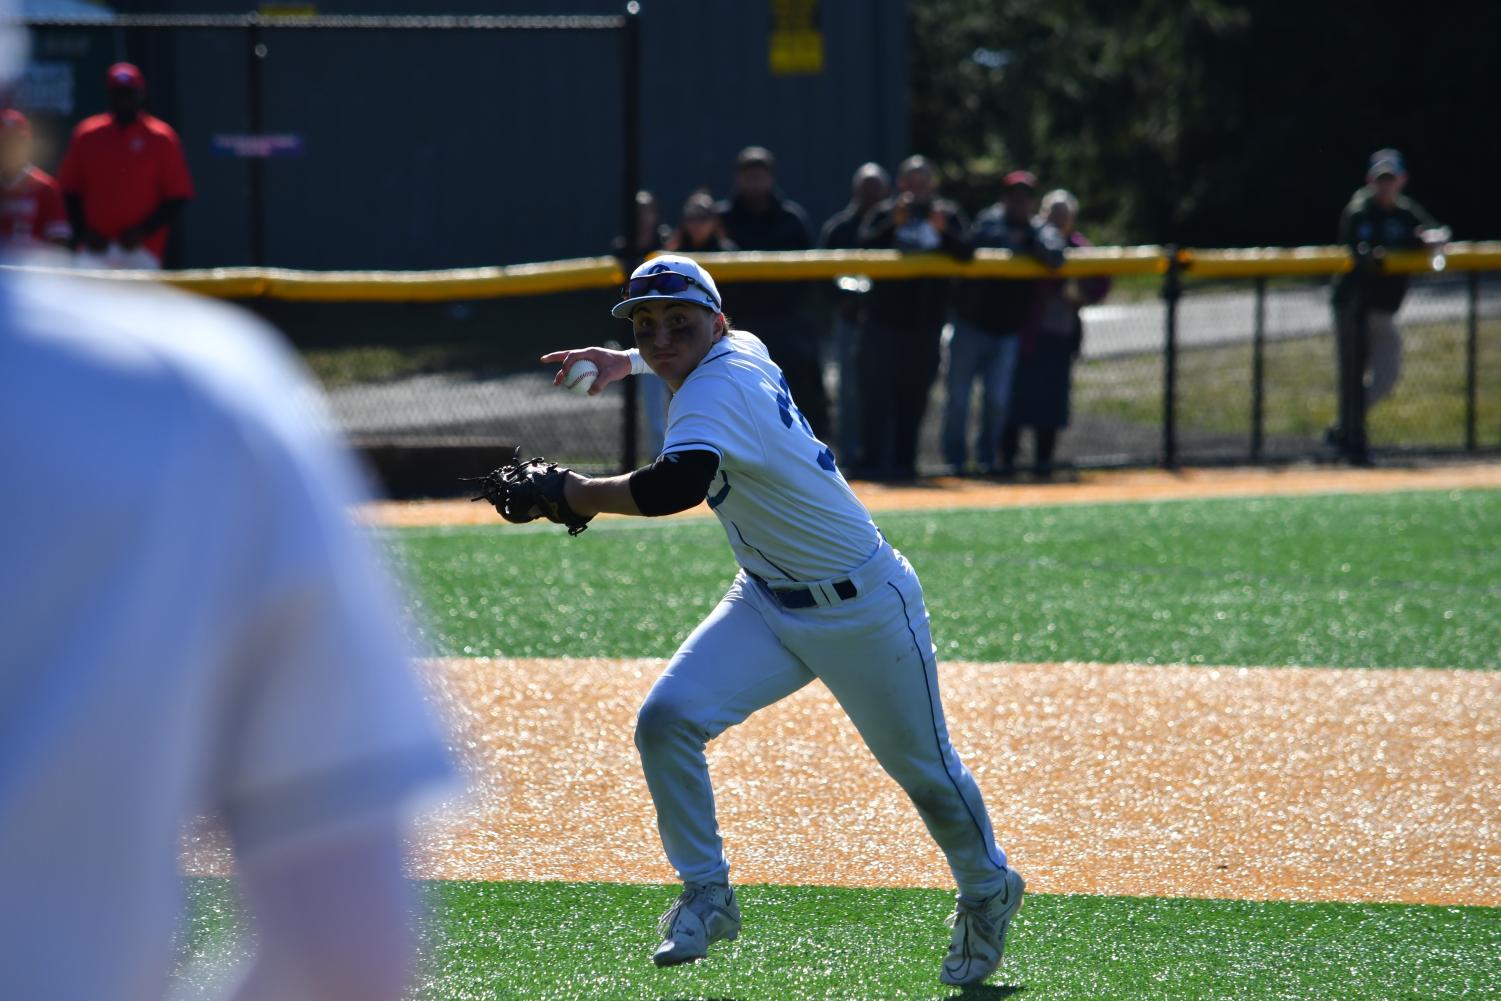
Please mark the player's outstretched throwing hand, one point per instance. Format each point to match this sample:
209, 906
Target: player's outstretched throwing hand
613, 365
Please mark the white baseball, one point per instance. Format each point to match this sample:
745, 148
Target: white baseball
581, 376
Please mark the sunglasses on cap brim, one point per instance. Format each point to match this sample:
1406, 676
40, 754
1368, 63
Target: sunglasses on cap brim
664, 283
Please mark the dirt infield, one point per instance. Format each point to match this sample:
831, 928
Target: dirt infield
1269, 783
1273, 783
1091, 487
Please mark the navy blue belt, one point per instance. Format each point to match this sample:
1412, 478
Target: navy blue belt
802, 597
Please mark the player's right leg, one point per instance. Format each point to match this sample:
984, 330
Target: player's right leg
727, 668
875, 654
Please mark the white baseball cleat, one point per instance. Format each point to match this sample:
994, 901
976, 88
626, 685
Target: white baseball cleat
704, 913
980, 934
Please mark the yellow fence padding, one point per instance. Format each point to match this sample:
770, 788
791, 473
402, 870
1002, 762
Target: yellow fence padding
729, 268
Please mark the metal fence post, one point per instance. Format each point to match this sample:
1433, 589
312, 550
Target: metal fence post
630, 118
1353, 335
1172, 291
256, 52
1258, 372
1472, 351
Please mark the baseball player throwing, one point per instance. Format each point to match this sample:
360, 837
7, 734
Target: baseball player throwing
820, 594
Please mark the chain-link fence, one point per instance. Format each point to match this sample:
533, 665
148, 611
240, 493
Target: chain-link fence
1255, 374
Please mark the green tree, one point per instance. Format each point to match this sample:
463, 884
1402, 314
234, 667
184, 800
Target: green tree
1085, 93
1210, 122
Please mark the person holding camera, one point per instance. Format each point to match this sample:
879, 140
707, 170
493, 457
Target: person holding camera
989, 318
904, 326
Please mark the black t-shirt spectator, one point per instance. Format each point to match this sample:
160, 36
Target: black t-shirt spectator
1365, 223
767, 307
914, 303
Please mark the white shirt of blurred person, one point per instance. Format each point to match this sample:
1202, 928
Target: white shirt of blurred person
192, 625
32, 213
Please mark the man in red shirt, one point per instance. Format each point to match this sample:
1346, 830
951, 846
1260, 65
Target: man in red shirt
124, 178
31, 203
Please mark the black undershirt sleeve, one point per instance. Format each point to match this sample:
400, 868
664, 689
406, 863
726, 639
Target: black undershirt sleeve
674, 482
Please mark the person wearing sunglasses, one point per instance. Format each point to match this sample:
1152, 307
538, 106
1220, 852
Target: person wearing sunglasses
820, 594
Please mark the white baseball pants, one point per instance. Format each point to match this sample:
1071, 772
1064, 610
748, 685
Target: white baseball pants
874, 652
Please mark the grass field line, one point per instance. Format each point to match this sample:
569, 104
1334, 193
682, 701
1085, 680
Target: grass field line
1238, 783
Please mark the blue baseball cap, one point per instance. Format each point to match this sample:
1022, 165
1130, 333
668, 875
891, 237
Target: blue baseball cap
1385, 161
670, 276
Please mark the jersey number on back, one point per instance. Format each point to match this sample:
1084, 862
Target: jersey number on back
792, 416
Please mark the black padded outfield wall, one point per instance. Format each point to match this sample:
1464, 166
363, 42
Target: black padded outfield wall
423, 148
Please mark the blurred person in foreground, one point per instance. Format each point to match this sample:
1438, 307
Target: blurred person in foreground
32, 214
699, 229
900, 346
989, 317
125, 179
192, 627
652, 235
757, 216
1043, 382
868, 188
1378, 218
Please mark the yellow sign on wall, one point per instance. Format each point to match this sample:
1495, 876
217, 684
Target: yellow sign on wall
796, 39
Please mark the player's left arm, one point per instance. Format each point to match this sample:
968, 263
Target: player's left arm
675, 482
1427, 232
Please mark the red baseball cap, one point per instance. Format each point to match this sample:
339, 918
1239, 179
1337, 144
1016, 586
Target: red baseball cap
12, 120
124, 75
1022, 177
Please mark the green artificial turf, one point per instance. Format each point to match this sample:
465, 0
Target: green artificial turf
592, 942
1394, 580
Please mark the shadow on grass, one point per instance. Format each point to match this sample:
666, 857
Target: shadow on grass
983, 992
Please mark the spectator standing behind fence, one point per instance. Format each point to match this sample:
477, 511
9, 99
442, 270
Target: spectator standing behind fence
32, 213
989, 317
900, 350
1043, 383
868, 188
759, 217
652, 235
699, 229
124, 178
651, 231
192, 624
1378, 217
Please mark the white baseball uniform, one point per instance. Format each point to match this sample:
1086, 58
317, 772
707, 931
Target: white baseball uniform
820, 594
190, 623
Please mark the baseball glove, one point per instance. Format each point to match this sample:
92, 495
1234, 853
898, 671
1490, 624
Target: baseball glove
524, 491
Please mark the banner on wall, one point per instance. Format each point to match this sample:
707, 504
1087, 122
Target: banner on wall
796, 38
